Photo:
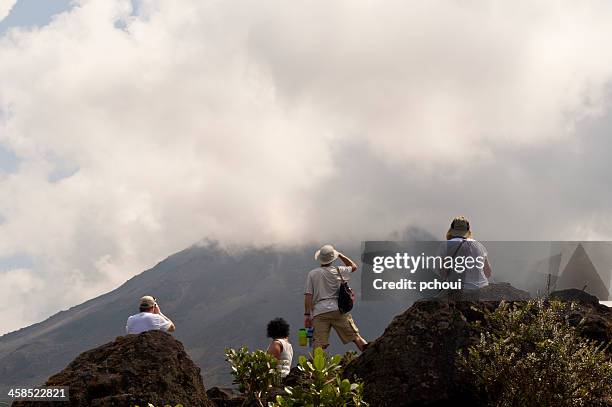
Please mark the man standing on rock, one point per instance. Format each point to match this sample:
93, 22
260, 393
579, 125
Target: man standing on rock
321, 300
150, 318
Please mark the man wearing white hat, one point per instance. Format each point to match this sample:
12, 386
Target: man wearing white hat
150, 318
321, 300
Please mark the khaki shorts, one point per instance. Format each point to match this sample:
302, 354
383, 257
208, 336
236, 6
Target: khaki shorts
343, 324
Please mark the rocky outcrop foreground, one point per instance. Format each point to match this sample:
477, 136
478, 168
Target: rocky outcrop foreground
413, 362
152, 367
225, 397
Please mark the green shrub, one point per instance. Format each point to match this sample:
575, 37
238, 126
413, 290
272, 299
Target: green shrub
255, 373
321, 385
530, 355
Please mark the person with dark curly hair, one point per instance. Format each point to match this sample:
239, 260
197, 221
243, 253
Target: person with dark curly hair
280, 348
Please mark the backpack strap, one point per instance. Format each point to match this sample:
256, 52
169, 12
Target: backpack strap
339, 273
453, 256
458, 247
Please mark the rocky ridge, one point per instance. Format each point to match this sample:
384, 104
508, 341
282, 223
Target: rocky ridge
152, 367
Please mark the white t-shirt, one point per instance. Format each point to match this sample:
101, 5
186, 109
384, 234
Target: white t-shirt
146, 321
473, 277
323, 284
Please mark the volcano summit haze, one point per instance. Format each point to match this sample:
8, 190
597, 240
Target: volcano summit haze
130, 130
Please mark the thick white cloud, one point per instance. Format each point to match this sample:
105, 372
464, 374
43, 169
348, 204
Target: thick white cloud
5, 8
20, 286
236, 120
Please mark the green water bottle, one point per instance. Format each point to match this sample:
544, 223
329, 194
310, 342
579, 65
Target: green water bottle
302, 337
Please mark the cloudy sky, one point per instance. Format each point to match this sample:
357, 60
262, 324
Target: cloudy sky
130, 130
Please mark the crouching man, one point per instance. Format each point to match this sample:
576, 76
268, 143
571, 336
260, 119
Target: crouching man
150, 318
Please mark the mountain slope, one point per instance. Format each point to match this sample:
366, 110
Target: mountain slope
216, 297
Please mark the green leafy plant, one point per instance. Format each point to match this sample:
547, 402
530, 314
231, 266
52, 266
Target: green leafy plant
255, 373
320, 384
530, 355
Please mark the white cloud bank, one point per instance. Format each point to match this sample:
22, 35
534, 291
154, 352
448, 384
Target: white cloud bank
5, 8
239, 121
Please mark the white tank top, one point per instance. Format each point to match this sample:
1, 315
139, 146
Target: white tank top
286, 355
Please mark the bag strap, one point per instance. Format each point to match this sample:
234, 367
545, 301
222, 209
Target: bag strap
453, 256
339, 273
458, 247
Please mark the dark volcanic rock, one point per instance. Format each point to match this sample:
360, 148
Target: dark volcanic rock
574, 294
413, 362
229, 397
594, 319
152, 367
225, 397
492, 292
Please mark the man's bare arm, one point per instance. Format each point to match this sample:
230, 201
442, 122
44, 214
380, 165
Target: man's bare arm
275, 349
307, 310
347, 262
157, 311
487, 268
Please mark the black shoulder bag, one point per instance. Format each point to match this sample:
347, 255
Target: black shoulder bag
346, 296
